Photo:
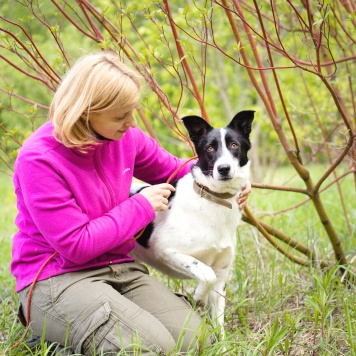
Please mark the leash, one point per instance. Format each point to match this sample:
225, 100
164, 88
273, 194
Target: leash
28, 307
29, 297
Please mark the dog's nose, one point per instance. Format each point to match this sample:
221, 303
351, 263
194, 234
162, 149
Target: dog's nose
224, 169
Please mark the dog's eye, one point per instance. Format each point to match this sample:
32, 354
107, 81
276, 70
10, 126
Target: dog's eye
210, 149
234, 146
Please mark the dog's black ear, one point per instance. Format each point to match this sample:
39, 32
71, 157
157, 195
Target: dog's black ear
196, 126
242, 122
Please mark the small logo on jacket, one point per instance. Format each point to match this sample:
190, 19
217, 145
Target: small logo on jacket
126, 170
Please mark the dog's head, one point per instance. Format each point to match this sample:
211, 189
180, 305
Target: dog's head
221, 152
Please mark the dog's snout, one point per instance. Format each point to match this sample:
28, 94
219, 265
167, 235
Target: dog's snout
224, 169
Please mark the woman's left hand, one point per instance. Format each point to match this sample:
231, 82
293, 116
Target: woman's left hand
242, 199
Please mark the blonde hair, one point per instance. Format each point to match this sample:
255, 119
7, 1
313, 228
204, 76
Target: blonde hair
96, 82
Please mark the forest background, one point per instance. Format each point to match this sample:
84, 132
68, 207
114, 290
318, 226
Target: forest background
293, 62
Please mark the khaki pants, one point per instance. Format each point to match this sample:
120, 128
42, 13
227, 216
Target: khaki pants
112, 309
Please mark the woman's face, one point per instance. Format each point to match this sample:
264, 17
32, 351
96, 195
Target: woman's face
113, 123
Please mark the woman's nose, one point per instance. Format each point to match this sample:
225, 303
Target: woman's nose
131, 121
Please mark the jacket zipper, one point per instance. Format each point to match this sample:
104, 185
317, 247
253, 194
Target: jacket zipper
104, 180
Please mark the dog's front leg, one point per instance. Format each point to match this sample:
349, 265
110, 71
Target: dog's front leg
201, 293
217, 305
217, 299
188, 266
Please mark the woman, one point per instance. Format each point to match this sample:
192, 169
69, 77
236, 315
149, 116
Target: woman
72, 180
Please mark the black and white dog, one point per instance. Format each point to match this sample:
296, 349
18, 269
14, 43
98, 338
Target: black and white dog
196, 237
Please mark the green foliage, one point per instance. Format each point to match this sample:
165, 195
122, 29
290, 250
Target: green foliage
213, 55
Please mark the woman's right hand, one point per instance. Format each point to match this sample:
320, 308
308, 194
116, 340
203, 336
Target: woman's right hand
158, 195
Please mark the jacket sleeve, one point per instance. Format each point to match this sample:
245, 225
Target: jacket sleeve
153, 164
52, 215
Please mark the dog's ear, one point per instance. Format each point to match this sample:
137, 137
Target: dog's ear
242, 122
196, 126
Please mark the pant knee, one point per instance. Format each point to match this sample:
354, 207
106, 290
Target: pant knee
115, 336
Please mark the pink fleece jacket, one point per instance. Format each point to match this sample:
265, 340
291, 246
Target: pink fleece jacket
78, 204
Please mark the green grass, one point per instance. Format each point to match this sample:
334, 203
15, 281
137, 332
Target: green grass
9, 327
274, 307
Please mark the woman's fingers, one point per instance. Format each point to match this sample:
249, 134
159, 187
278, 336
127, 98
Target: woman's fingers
242, 199
158, 195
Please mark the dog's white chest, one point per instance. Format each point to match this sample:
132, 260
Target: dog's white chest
194, 223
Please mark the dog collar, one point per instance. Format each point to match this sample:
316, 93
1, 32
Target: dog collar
218, 198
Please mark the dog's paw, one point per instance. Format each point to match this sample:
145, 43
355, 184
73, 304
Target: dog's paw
203, 273
209, 277
200, 304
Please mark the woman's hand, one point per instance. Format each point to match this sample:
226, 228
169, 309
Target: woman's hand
158, 195
242, 199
